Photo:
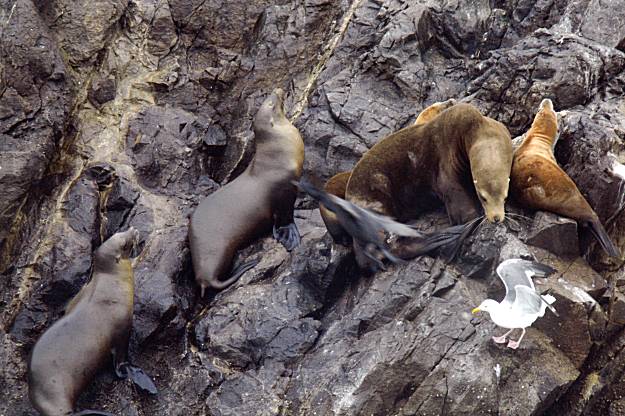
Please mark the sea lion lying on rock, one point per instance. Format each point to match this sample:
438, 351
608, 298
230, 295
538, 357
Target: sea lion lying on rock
538, 182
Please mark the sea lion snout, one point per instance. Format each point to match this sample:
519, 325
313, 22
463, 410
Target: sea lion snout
496, 215
546, 104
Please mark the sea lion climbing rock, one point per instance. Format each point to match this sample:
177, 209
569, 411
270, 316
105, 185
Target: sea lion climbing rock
96, 324
247, 207
538, 182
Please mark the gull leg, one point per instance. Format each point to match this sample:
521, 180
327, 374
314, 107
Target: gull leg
515, 344
502, 339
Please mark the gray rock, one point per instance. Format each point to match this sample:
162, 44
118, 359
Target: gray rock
554, 233
128, 112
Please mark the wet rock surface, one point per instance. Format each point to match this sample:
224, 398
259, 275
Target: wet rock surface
127, 113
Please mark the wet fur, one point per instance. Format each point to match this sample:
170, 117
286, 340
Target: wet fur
246, 208
97, 322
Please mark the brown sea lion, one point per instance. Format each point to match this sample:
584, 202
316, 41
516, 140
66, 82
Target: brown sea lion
537, 181
460, 157
337, 184
247, 207
96, 324
432, 111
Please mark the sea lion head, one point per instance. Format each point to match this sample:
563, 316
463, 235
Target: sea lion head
546, 121
271, 111
492, 193
491, 162
116, 248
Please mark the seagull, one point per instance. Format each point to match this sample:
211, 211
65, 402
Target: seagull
522, 304
365, 226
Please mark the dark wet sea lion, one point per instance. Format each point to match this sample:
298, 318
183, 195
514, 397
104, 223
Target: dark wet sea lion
337, 184
96, 324
538, 182
246, 208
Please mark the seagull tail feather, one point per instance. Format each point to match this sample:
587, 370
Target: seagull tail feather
548, 300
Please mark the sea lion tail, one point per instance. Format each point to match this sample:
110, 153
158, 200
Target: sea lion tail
92, 413
236, 274
602, 236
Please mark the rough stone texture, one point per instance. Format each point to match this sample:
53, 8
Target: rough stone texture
35, 101
554, 233
127, 113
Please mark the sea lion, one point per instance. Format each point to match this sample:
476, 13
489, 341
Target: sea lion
337, 184
460, 157
96, 324
246, 208
429, 113
538, 182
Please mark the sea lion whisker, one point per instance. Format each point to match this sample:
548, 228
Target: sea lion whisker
524, 217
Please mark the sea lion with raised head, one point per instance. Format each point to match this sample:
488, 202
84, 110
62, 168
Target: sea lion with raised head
337, 184
247, 207
538, 182
460, 157
96, 325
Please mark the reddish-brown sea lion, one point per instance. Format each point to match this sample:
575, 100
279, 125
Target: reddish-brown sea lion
539, 183
247, 207
96, 324
337, 184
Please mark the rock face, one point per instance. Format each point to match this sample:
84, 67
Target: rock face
127, 113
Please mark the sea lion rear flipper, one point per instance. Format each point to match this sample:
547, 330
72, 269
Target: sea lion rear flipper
602, 236
137, 376
287, 235
92, 413
234, 276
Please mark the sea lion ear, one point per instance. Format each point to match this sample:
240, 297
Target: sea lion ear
118, 258
475, 181
271, 121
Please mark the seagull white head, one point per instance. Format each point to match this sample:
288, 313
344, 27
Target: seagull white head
488, 305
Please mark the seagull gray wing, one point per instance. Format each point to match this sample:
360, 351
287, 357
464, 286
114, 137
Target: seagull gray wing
527, 302
514, 272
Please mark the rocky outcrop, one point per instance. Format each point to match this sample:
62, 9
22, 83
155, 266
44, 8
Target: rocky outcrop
127, 113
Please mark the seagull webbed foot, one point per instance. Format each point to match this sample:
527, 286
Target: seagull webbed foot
513, 344
500, 340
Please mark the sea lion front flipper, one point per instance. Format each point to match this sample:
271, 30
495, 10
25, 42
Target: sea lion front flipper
92, 413
139, 377
287, 235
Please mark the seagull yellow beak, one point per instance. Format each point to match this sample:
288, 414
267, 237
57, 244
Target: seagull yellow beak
476, 310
